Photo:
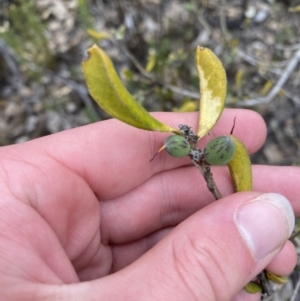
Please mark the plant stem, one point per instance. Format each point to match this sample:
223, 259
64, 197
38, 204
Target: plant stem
198, 160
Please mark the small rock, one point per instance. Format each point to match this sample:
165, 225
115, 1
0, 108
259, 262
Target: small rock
261, 16
21, 139
250, 12
13, 109
71, 107
31, 123
53, 122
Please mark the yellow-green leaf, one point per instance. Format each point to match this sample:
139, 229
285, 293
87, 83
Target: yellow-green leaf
276, 279
266, 88
108, 91
151, 60
294, 9
213, 85
239, 78
240, 167
252, 287
98, 35
188, 106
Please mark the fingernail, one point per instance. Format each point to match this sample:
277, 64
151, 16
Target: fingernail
265, 223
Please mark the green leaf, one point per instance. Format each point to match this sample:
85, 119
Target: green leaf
213, 85
253, 288
240, 167
108, 91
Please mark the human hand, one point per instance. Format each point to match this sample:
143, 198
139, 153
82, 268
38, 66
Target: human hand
85, 216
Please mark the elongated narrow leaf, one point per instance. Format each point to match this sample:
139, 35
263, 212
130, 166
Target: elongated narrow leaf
240, 167
213, 85
276, 278
98, 35
108, 91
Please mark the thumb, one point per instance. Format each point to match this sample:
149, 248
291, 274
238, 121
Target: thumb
210, 256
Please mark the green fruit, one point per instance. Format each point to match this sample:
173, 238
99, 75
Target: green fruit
220, 150
177, 146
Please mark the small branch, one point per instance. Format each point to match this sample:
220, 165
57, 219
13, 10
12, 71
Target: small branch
11, 61
195, 95
211, 185
136, 63
223, 19
296, 291
255, 62
274, 91
82, 92
295, 234
208, 177
152, 77
287, 47
293, 97
197, 158
265, 284
182, 91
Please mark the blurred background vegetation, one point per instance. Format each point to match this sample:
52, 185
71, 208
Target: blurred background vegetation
152, 44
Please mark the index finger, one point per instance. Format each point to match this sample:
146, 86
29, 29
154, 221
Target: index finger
113, 157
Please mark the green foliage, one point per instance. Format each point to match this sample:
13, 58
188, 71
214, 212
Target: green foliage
108, 91
240, 167
285, 34
213, 85
26, 35
84, 14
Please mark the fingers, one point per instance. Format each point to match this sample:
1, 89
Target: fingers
114, 158
284, 180
126, 254
210, 256
165, 200
49, 210
171, 196
284, 263
209, 242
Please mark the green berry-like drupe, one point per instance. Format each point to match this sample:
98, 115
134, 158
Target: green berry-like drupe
220, 150
177, 146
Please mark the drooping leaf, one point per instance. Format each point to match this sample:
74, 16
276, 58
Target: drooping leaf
240, 167
108, 91
213, 85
